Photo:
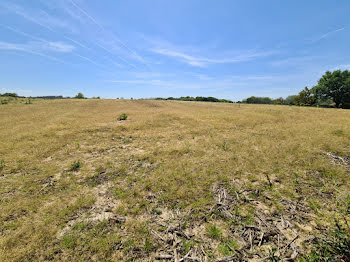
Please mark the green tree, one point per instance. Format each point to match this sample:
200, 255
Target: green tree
278, 101
9, 94
290, 100
306, 97
335, 85
80, 96
258, 100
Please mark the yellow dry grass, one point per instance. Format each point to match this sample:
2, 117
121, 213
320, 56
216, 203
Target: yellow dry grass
166, 160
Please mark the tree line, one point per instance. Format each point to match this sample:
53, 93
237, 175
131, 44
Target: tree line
198, 98
332, 89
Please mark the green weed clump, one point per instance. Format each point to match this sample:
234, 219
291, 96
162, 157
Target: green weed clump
214, 232
122, 117
75, 166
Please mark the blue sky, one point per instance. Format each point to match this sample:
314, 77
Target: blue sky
149, 48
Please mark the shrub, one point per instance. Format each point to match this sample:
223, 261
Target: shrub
75, 166
123, 117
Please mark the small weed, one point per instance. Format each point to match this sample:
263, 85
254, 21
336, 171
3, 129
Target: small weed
228, 248
148, 246
28, 101
347, 205
122, 117
214, 232
296, 180
272, 255
70, 241
120, 193
75, 166
224, 146
338, 132
79, 226
2, 164
157, 211
188, 245
225, 250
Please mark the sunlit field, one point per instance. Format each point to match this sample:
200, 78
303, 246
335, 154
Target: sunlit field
176, 181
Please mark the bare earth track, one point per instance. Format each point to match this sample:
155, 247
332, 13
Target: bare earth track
176, 181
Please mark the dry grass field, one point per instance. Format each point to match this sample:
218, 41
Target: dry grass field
180, 181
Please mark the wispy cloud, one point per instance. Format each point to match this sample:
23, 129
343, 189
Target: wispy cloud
203, 55
112, 36
31, 48
203, 61
52, 46
58, 47
329, 33
37, 16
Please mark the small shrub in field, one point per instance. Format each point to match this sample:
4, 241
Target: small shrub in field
123, 117
75, 166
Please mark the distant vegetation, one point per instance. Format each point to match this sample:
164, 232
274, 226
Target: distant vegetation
10, 95
80, 96
333, 89
122, 117
198, 98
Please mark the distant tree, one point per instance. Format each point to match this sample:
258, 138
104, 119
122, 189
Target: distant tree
290, 100
278, 101
258, 100
10, 94
306, 97
80, 96
335, 85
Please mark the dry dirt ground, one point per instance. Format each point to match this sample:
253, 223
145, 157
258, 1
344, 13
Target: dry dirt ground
176, 181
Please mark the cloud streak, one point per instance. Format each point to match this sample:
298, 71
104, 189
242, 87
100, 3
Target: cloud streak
95, 22
203, 61
37, 46
28, 48
329, 33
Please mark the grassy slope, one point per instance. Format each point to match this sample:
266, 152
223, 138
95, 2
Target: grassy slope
165, 165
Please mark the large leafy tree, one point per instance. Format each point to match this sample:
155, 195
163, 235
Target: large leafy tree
335, 85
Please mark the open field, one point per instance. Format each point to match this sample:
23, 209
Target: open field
206, 180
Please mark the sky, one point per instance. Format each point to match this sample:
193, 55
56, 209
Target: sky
159, 48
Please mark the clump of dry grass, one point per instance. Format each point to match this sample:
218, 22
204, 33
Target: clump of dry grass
141, 181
